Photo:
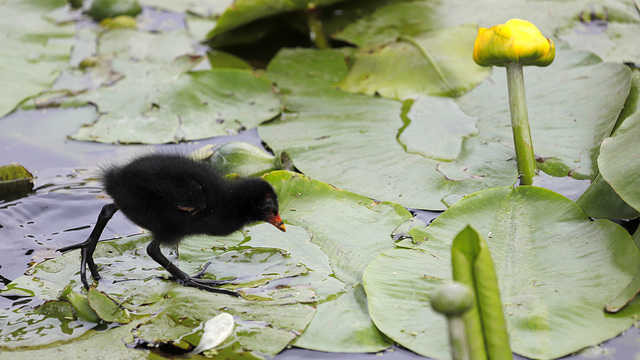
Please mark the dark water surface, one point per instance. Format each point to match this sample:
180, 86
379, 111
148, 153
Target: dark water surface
67, 199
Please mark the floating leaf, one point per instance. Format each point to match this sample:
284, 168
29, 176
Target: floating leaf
321, 210
617, 166
433, 63
243, 158
159, 101
246, 11
38, 51
80, 304
106, 308
556, 268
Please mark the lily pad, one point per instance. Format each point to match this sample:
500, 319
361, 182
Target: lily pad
433, 63
600, 201
158, 100
106, 308
37, 54
556, 269
244, 159
321, 209
616, 164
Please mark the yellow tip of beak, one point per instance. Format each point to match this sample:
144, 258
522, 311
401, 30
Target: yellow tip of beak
277, 222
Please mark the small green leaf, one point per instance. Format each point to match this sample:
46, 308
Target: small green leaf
15, 181
80, 304
106, 308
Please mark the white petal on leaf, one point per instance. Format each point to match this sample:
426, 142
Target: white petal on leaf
216, 330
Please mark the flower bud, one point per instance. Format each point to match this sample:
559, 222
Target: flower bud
515, 41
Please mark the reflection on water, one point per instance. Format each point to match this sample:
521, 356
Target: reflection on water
59, 213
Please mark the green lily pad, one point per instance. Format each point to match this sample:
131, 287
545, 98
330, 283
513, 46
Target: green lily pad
170, 312
34, 55
617, 166
556, 270
601, 201
384, 21
433, 63
92, 342
157, 99
321, 209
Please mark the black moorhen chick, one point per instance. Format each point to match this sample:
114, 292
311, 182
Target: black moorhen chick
173, 196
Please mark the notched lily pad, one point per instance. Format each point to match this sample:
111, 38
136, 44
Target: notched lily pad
556, 270
438, 63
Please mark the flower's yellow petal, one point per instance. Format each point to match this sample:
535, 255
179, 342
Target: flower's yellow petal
494, 46
530, 44
515, 41
546, 59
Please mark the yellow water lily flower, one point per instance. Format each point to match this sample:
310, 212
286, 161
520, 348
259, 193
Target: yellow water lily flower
516, 41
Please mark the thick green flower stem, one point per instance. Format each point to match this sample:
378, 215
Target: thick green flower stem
520, 124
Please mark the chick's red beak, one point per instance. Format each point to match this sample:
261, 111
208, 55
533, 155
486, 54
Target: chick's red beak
276, 221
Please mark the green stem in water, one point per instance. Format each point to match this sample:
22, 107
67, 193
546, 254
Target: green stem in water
316, 28
520, 124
